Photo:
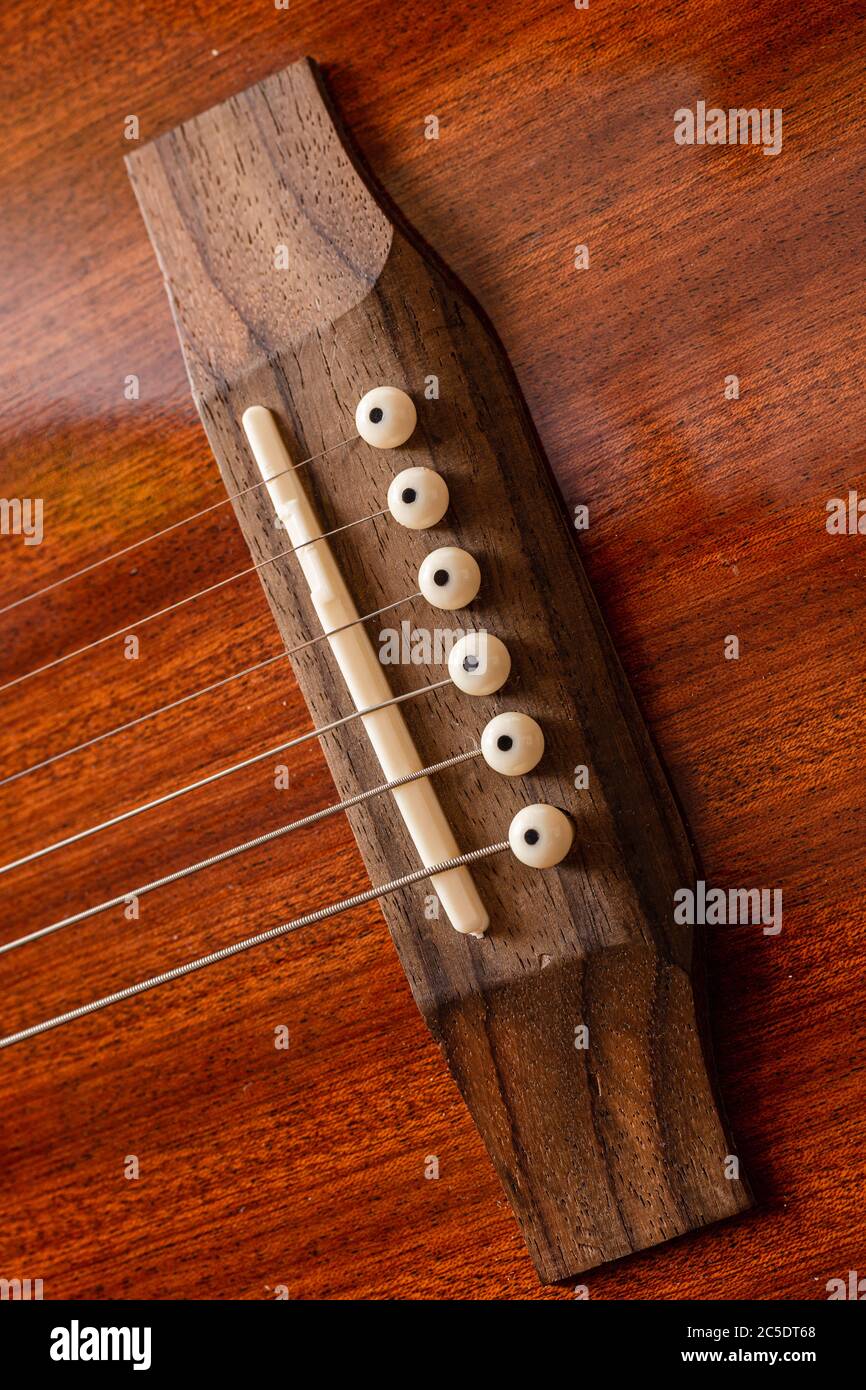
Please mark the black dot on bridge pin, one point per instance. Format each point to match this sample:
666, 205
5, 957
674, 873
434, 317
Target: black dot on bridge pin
376, 415
441, 578
531, 837
504, 743
408, 495
470, 663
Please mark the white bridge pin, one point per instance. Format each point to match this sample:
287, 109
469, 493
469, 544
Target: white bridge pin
512, 744
418, 498
540, 836
385, 417
479, 664
449, 578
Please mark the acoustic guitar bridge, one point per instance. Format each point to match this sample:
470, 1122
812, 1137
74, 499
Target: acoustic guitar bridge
564, 1003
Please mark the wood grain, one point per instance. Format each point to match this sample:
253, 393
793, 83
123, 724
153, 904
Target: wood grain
707, 517
602, 1150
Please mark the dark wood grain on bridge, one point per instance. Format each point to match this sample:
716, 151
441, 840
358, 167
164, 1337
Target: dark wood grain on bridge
707, 519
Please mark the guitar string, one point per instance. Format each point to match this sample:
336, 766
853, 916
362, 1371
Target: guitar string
217, 776
224, 953
313, 819
309, 918
166, 530
190, 598
204, 690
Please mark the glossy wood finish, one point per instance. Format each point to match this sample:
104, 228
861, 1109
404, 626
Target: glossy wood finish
604, 1149
707, 518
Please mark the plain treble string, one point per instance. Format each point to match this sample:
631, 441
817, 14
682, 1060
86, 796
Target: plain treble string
203, 690
166, 530
182, 602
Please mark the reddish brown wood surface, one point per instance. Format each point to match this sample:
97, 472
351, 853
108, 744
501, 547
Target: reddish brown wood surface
602, 1150
305, 1168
